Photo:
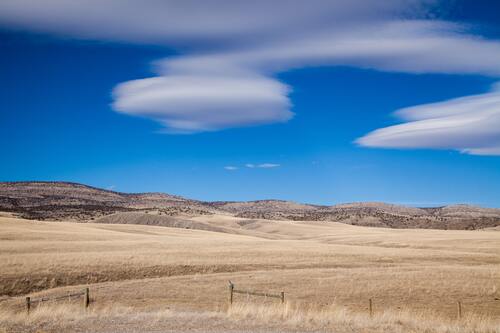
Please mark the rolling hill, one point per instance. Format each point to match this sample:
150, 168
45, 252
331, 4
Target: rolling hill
78, 202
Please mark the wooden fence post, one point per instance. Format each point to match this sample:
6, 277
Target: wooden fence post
86, 298
231, 288
28, 305
459, 310
371, 307
282, 297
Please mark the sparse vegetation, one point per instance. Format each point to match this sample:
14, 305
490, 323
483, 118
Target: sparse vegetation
75, 202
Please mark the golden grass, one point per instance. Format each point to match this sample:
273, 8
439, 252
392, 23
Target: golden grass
245, 316
148, 269
308, 317
51, 313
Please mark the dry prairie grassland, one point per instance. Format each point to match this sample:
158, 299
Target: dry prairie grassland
147, 278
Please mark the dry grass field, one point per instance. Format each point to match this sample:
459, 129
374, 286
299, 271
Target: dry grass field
156, 279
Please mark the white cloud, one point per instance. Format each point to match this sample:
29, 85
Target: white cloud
268, 165
468, 124
230, 51
207, 24
411, 46
231, 168
194, 103
262, 165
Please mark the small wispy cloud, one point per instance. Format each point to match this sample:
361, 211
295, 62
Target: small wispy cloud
262, 165
253, 166
268, 165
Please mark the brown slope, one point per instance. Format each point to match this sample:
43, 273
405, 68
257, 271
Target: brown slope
65, 200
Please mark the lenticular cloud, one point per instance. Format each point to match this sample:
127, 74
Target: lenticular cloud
468, 124
194, 103
230, 52
233, 88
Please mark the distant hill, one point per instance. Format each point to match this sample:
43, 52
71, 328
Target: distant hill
64, 200
77, 202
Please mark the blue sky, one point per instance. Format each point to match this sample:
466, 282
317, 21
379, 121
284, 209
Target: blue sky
230, 112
